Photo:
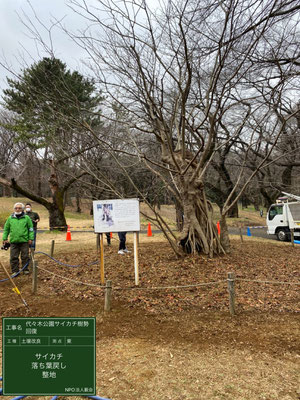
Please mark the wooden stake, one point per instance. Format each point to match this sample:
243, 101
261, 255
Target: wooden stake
107, 300
31, 250
15, 289
241, 235
136, 257
34, 276
52, 248
102, 259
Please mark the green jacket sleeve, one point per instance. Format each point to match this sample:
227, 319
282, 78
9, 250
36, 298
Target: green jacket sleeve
6, 229
30, 228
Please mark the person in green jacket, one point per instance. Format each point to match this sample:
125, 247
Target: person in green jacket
19, 228
35, 218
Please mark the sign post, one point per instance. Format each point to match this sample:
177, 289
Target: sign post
120, 215
136, 258
102, 259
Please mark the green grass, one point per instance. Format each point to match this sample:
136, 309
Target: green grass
3, 218
76, 215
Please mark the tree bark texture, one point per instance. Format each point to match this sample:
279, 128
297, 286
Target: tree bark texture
56, 210
199, 233
224, 235
57, 218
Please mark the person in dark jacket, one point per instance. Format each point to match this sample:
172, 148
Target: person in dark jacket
35, 219
19, 228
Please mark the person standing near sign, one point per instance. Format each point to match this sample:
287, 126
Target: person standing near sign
18, 227
122, 246
34, 218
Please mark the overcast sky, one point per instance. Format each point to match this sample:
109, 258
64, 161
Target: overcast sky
19, 50
15, 44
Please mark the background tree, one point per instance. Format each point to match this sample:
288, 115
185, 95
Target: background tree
9, 151
50, 103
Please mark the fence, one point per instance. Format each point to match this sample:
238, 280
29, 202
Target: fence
109, 289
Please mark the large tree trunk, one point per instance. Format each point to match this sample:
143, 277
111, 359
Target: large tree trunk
78, 208
199, 233
224, 235
57, 218
179, 216
56, 210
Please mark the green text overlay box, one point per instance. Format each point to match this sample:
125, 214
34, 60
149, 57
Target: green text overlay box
49, 356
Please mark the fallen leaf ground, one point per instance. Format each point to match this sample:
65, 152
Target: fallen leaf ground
181, 343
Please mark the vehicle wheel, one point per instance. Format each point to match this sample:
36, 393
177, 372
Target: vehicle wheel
282, 235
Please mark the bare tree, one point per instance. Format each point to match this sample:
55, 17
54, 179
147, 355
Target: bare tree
185, 75
199, 78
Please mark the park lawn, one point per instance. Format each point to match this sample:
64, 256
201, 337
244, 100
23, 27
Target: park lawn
84, 221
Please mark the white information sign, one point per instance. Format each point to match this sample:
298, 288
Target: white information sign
116, 215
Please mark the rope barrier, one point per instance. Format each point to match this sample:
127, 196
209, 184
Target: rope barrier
66, 265
71, 280
171, 287
144, 288
134, 287
168, 287
271, 282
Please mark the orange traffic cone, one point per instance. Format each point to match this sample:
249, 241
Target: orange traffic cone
149, 231
68, 237
218, 227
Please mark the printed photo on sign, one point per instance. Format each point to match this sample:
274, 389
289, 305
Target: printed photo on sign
107, 211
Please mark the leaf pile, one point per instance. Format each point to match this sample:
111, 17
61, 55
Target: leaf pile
159, 268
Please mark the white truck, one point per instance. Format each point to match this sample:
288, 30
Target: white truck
283, 217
